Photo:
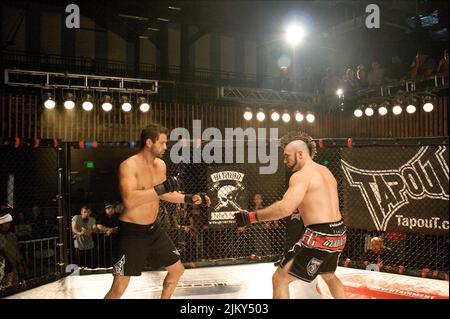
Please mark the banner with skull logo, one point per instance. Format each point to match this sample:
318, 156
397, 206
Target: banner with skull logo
228, 194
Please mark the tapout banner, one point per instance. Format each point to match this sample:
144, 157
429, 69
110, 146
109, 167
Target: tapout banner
394, 188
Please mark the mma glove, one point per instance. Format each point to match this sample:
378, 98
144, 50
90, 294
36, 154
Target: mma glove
171, 184
188, 198
245, 218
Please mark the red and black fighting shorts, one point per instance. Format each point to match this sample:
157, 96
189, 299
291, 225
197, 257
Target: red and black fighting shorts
142, 245
317, 251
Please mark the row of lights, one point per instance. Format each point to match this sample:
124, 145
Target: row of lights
88, 102
275, 116
396, 110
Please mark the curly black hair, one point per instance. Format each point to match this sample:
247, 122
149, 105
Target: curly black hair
299, 136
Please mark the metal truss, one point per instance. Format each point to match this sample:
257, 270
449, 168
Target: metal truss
49, 80
266, 96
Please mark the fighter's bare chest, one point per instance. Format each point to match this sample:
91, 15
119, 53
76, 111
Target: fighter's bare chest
149, 177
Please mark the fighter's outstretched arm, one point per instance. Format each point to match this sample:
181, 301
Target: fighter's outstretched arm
285, 207
177, 197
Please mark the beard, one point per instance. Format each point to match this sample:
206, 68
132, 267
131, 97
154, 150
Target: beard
155, 152
292, 167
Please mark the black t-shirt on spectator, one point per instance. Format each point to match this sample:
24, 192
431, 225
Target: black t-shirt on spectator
109, 222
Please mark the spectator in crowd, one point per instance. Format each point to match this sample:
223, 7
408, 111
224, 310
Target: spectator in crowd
10, 248
108, 222
443, 64
330, 83
361, 77
82, 228
349, 81
397, 71
378, 255
423, 65
376, 75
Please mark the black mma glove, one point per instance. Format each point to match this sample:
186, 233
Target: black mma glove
169, 185
245, 218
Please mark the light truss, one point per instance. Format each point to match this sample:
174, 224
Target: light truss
49, 80
266, 96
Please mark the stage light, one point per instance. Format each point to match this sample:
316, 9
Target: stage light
69, 101
87, 103
427, 106
275, 116
143, 105
369, 111
299, 116
126, 105
286, 117
294, 34
339, 92
260, 116
397, 109
358, 113
310, 118
382, 110
49, 101
410, 109
107, 105
248, 114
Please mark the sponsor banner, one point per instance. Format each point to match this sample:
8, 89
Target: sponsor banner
375, 285
228, 193
397, 189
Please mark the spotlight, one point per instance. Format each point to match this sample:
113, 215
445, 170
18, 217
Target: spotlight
358, 113
299, 116
260, 116
310, 118
49, 101
126, 105
382, 110
286, 117
369, 111
410, 109
87, 103
69, 101
143, 105
397, 109
106, 105
428, 106
248, 114
339, 92
294, 34
275, 116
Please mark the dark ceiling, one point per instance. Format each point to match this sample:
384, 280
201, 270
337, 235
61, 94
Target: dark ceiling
330, 21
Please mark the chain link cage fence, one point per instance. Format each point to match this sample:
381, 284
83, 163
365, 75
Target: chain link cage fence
29, 189
396, 190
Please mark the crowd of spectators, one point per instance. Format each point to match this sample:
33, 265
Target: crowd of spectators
360, 76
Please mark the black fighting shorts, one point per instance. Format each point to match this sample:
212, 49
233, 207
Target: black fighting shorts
142, 245
317, 251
